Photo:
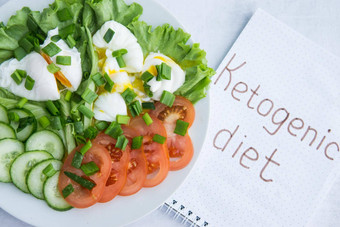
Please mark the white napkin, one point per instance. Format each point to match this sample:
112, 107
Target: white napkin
277, 94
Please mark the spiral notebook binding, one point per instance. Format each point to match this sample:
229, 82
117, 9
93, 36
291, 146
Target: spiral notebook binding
182, 214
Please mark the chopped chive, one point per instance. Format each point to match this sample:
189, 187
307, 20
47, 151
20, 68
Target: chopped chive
120, 61
89, 96
79, 127
70, 41
51, 49
77, 160
22, 102
158, 139
56, 123
121, 142
90, 168
26, 44
22, 73
98, 79
147, 90
114, 130
147, 119
49, 170
55, 38
148, 105
29, 83
67, 190
181, 127
52, 108
19, 53
128, 95
64, 14
86, 111
68, 96
86, 147
13, 117
52, 68
91, 133
63, 60
137, 142
44, 122
80, 180
16, 77
109, 83
165, 71
122, 119
167, 98
41, 37
146, 76
80, 139
76, 98
108, 35
67, 30
135, 108
23, 122
118, 53
101, 125
36, 44
159, 71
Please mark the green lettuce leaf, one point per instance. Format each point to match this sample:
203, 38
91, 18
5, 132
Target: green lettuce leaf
17, 24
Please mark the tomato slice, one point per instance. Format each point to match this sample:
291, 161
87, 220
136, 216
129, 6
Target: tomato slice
119, 165
156, 154
137, 168
82, 197
180, 147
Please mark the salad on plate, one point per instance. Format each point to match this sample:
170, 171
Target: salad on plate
95, 103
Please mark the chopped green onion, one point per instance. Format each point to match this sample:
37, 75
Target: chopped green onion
29, 83
64, 14
70, 41
147, 90
80, 180
135, 108
114, 130
91, 133
13, 116
167, 98
122, 119
159, 71
101, 125
147, 119
118, 53
158, 139
89, 168
36, 44
19, 53
148, 105
76, 98
16, 77
44, 122
52, 68
67, 190
86, 75
80, 139
146, 76
41, 37
56, 123
181, 127
49, 170
26, 44
98, 79
22, 102
55, 38
52, 108
89, 96
68, 96
165, 71
108, 35
22, 73
77, 160
63, 60
23, 122
86, 147
79, 127
67, 30
109, 83
86, 111
121, 142
51, 49
137, 142
120, 62
128, 95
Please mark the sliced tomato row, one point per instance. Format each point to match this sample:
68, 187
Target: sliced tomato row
126, 172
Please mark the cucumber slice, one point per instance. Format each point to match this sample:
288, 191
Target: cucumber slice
36, 178
22, 164
6, 131
29, 129
52, 195
9, 150
3, 114
48, 141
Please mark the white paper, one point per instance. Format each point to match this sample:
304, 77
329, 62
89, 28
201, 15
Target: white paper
275, 91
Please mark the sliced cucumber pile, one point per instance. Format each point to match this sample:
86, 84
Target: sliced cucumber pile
6, 131
26, 125
9, 150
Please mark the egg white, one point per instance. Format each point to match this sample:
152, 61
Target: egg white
108, 106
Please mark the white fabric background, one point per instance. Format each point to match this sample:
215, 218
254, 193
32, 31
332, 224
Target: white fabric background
216, 24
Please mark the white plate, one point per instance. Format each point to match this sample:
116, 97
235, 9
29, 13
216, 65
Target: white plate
121, 210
